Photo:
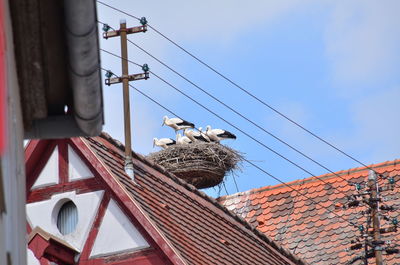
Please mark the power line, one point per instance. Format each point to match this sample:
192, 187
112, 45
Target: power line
246, 160
233, 110
226, 191
119, 10
234, 180
233, 176
240, 87
236, 112
223, 119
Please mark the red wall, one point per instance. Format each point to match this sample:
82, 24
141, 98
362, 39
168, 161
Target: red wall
2, 80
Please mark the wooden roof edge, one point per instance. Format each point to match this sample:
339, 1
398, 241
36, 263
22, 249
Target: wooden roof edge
47, 236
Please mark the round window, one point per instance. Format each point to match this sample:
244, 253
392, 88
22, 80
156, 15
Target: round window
67, 218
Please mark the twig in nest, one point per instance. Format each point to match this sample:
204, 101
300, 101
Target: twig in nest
201, 164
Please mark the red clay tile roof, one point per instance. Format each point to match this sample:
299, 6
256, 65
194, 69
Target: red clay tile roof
309, 230
203, 231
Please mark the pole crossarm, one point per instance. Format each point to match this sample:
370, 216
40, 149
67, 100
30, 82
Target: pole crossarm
133, 77
117, 33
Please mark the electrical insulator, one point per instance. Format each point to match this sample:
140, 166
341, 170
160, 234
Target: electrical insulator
392, 251
143, 21
354, 203
109, 74
356, 246
386, 208
145, 68
391, 183
106, 27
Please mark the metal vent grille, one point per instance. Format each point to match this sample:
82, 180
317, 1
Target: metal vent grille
67, 218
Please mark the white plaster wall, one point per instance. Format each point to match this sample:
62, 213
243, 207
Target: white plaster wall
31, 259
44, 214
49, 174
13, 222
117, 233
76, 167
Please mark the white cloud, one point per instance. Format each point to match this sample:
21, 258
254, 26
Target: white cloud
295, 136
362, 41
377, 118
211, 22
207, 20
146, 124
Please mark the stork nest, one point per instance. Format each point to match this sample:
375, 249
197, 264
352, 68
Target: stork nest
201, 164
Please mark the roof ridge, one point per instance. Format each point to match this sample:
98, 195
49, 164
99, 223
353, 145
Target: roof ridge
312, 179
210, 199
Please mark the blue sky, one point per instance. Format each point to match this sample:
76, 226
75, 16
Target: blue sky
331, 66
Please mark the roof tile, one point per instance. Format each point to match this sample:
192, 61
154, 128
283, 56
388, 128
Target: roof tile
311, 231
200, 229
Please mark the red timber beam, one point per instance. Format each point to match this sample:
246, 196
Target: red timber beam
37, 152
79, 186
3, 81
62, 161
87, 249
46, 246
133, 210
142, 257
148, 256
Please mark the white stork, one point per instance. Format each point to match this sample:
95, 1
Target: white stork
163, 142
196, 135
182, 139
218, 134
177, 123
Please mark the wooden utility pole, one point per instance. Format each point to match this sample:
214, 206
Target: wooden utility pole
125, 86
125, 78
374, 202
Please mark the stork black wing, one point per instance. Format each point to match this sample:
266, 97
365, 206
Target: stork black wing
186, 123
201, 138
227, 134
172, 142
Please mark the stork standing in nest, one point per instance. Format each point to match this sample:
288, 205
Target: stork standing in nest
218, 134
163, 142
182, 139
196, 135
177, 124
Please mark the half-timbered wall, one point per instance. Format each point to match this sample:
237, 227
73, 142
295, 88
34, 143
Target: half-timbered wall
104, 232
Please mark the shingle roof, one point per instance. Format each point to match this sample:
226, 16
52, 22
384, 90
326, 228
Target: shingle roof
309, 230
199, 228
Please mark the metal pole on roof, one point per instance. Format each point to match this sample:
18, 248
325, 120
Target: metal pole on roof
124, 79
378, 220
374, 202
